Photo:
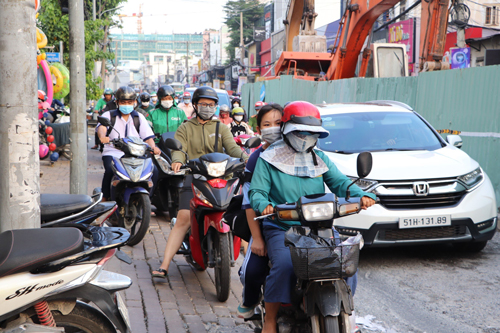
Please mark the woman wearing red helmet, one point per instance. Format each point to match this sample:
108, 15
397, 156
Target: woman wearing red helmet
287, 170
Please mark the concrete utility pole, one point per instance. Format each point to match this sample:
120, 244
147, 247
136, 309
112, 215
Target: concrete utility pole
78, 124
460, 30
187, 65
242, 47
20, 164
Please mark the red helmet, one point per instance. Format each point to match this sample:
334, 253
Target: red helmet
302, 116
42, 96
259, 105
186, 94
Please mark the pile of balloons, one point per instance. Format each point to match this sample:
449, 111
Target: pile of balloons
44, 149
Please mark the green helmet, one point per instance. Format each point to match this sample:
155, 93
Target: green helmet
153, 94
108, 91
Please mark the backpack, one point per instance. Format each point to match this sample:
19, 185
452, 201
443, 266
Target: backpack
137, 120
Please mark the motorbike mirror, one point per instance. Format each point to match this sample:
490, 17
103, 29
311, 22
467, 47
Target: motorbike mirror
104, 121
364, 164
173, 144
253, 142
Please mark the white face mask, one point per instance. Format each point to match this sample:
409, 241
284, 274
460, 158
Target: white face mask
186, 101
167, 104
154, 99
271, 134
235, 105
300, 142
238, 118
145, 103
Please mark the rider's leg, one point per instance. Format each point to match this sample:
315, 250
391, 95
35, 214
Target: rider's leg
108, 176
254, 271
270, 317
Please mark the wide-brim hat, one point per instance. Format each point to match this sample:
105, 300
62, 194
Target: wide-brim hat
292, 127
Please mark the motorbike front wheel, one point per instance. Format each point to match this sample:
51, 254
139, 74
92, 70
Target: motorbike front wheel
139, 215
222, 266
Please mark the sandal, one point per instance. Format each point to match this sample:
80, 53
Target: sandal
162, 274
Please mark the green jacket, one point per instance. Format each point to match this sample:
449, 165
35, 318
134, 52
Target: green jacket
166, 120
198, 140
270, 186
252, 122
100, 104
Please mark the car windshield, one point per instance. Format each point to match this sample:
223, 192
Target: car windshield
223, 97
377, 131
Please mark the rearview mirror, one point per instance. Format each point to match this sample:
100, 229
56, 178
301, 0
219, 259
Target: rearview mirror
173, 144
253, 142
454, 140
364, 164
104, 121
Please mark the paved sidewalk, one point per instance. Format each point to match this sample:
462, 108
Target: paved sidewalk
186, 301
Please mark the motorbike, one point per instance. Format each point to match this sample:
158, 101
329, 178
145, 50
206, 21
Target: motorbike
58, 210
131, 184
241, 140
50, 288
166, 194
209, 242
322, 301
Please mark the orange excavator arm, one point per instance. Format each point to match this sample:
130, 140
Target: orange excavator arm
357, 22
433, 26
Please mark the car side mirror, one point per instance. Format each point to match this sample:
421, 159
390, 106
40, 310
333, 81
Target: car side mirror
104, 121
253, 142
455, 140
364, 164
173, 144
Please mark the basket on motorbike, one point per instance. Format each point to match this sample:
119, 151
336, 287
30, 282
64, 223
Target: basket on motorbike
314, 257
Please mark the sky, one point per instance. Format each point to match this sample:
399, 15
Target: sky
195, 16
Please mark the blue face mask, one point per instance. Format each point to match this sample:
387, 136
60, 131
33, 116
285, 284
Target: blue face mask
126, 109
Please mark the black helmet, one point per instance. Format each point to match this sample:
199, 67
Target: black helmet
125, 93
144, 97
166, 91
204, 92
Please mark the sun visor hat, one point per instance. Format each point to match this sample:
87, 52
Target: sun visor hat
293, 126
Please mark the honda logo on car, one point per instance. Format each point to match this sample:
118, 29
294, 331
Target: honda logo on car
421, 189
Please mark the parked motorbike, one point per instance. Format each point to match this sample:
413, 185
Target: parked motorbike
321, 300
50, 288
131, 184
66, 209
211, 243
166, 195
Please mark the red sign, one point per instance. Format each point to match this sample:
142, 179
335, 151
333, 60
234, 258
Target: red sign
404, 33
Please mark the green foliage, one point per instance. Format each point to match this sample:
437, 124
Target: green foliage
55, 26
252, 11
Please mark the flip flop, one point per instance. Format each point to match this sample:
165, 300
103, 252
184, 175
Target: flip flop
162, 274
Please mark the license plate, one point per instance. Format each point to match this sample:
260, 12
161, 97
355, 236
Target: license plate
123, 309
424, 221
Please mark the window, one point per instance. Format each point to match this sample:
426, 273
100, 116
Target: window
491, 17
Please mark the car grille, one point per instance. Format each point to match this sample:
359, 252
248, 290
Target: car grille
423, 233
414, 202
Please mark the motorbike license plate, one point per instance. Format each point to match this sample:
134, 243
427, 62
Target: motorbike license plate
424, 221
122, 307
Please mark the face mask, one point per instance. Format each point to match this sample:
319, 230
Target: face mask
235, 105
176, 101
167, 104
206, 112
302, 142
154, 99
238, 118
126, 109
271, 134
145, 103
186, 101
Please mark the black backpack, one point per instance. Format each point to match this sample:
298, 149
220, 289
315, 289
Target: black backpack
236, 218
137, 120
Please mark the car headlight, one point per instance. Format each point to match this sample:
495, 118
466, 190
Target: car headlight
318, 211
136, 149
215, 169
473, 178
364, 184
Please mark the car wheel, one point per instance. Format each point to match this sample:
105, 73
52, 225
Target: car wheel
472, 247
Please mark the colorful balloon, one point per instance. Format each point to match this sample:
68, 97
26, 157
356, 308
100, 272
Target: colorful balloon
43, 151
48, 130
54, 157
52, 147
50, 138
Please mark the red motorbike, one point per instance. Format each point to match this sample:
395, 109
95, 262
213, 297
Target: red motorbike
210, 242
241, 140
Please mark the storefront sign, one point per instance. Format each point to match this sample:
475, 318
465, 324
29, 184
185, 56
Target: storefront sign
460, 57
404, 33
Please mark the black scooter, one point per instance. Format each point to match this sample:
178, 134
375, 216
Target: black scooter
321, 300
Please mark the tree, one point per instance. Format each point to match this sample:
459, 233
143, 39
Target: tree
252, 11
55, 26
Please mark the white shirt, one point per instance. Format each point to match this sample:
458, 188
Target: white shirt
126, 129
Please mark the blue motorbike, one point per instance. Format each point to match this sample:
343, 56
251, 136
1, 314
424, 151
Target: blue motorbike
131, 184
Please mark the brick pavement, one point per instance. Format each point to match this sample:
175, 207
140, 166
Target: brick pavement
186, 301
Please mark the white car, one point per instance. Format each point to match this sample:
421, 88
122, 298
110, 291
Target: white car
430, 191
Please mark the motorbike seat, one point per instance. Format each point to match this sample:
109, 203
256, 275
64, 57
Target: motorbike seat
56, 206
26, 249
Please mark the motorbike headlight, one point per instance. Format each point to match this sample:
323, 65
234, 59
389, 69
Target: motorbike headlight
318, 211
472, 179
364, 184
164, 165
349, 208
136, 149
201, 196
216, 169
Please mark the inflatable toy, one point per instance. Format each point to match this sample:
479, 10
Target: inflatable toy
65, 81
41, 39
43, 151
52, 147
48, 130
47, 122
54, 157
48, 78
50, 138
57, 79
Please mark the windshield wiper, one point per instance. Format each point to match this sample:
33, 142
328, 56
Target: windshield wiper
396, 149
342, 152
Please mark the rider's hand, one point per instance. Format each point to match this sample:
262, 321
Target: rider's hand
157, 151
366, 202
268, 210
259, 247
104, 140
176, 167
